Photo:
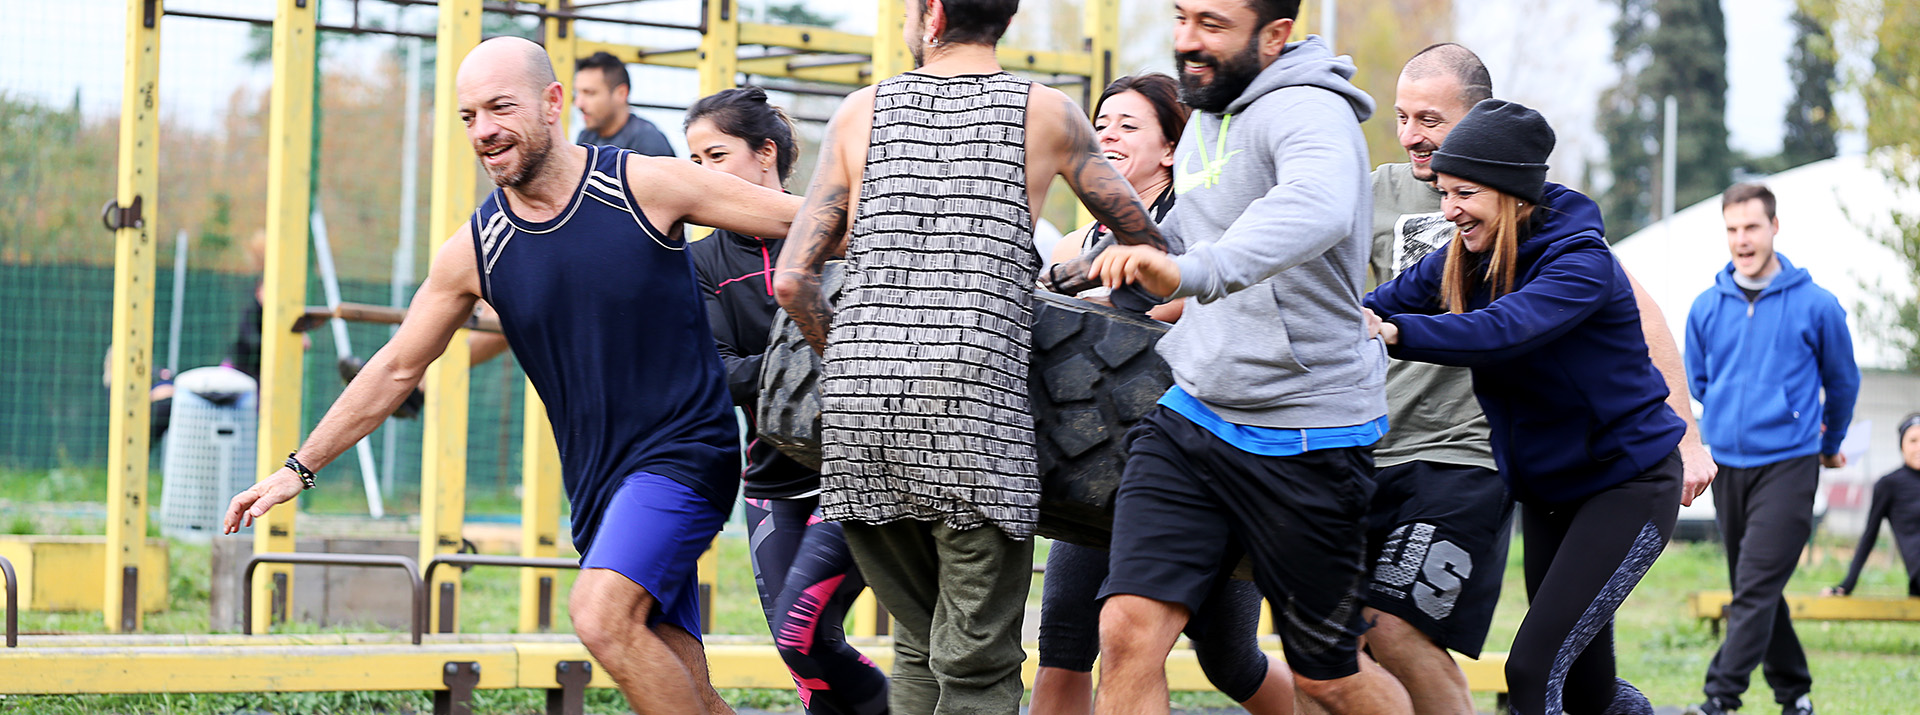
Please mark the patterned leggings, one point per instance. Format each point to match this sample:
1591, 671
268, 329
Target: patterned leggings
807, 581
1582, 559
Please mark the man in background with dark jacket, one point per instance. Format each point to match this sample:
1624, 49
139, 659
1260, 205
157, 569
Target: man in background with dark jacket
1762, 345
600, 91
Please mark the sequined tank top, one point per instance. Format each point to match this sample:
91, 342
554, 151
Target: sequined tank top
924, 410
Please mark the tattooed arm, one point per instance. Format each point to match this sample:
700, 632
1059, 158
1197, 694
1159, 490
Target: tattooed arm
820, 229
1078, 158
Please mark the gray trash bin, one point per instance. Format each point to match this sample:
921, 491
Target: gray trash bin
209, 450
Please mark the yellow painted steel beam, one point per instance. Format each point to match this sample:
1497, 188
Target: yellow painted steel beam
849, 73
443, 449
131, 362
239, 669
866, 615
283, 297
719, 61
1075, 63
1711, 604
1100, 23
813, 39
539, 455
562, 49
539, 517
64, 573
889, 48
278, 667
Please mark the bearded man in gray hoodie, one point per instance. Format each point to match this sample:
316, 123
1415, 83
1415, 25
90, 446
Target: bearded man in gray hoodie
1264, 444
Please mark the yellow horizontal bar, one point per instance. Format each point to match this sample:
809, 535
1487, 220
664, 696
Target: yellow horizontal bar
238, 669
217, 663
1049, 62
1710, 604
800, 37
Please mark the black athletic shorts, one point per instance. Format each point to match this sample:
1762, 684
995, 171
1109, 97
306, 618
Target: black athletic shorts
1437, 538
1188, 500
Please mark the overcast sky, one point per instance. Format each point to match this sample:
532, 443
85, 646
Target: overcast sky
1558, 60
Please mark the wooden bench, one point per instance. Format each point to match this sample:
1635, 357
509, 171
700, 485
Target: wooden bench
1712, 605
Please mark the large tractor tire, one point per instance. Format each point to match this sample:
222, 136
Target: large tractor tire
789, 411
1094, 374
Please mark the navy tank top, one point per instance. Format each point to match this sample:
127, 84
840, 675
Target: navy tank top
601, 310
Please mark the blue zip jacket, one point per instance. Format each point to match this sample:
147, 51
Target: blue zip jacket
1759, 367
1559, 364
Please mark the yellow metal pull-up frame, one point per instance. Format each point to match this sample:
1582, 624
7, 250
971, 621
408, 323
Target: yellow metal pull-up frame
803, 54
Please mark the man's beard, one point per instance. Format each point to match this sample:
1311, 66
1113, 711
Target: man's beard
1428, 147
533, 157
1230, 78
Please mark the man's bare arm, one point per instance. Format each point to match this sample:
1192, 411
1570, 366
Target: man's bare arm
680, 190
445, 301
1103, 189
819, 233
1696, 463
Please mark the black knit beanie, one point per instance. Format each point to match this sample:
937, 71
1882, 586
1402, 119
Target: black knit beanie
1499, 144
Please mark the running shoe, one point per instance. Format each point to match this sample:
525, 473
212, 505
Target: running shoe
1803, 706
1711, 707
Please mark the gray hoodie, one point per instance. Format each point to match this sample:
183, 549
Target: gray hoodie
1275, 213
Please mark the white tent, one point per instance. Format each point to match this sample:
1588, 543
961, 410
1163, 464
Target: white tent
1822, 208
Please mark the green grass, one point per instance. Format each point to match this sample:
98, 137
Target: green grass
1859, 668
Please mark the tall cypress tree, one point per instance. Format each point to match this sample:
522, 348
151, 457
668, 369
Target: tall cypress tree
1810, 117
1665, 47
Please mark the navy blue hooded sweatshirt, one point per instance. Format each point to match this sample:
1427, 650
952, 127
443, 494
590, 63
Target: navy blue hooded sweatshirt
1559, 364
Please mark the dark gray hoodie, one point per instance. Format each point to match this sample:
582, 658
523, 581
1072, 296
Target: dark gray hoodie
1275, 216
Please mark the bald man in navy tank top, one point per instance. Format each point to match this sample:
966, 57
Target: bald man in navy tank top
580, 250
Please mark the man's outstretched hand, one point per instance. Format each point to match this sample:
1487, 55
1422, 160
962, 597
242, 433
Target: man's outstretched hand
1151, 267
256, 500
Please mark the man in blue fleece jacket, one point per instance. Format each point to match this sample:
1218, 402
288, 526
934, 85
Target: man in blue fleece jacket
1762, 345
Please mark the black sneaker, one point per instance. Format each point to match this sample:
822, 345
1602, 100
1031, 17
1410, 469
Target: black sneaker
1803, 706
1712, 706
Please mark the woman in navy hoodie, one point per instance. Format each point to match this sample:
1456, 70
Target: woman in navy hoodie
1529, 296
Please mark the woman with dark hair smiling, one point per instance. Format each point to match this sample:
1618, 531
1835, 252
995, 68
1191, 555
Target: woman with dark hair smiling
806, 576
1138, 120
1529, 296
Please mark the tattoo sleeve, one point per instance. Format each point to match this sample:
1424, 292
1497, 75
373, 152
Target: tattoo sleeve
819, 231
1106, 193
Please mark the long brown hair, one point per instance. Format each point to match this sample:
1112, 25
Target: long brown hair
1457, 281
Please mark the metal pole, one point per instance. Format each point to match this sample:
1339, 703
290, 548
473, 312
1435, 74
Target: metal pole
1669, 146
403, 255
283, 294
443, 425
134, 211
343, 348
1329, 20
179, 302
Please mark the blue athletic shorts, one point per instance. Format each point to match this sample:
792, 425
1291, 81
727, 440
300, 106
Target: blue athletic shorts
653, 532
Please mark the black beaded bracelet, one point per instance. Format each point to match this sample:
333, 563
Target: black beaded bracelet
306, 475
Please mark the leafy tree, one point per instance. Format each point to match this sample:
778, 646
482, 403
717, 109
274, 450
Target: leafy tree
1665, 48
1891, 92
1810, 117
793, 12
